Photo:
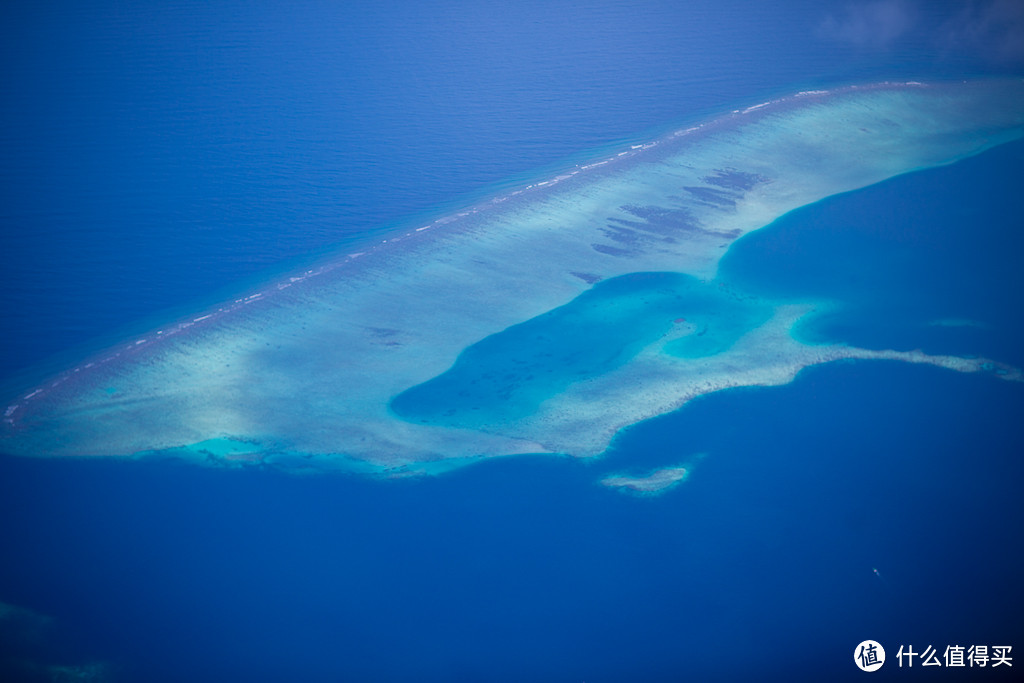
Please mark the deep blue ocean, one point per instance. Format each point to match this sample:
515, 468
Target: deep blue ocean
158, 158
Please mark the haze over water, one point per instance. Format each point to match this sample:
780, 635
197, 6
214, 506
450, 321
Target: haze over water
157, 156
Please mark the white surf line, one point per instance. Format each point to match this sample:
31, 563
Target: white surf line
316, 379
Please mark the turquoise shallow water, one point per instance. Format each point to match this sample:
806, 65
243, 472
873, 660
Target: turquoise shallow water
896, 266
505, 377
928, 260
157, 152
527, 568
757, 567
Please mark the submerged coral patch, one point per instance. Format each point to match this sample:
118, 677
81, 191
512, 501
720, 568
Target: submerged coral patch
655, 483
540, 321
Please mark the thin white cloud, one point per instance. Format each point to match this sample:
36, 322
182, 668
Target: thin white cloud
875, 24
993, 30
989, 31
